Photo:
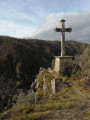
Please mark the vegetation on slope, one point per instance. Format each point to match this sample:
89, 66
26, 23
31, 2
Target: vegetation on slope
20, 61
71, 102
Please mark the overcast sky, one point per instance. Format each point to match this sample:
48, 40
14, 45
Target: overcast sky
38, 18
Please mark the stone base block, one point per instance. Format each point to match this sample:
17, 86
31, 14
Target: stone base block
61, 61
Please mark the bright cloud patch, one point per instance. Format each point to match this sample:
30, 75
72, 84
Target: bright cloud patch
10, 28
80, 23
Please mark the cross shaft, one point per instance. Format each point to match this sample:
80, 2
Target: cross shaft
63, 30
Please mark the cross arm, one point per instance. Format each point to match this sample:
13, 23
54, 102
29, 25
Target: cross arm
58, 29
63, 29
68, 29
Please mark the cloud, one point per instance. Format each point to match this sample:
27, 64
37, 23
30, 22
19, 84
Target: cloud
79, 21
17, 10
18, 18
11, 28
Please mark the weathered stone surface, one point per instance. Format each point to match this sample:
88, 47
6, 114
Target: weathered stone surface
45, 88
56, 84
47, 82
60, 62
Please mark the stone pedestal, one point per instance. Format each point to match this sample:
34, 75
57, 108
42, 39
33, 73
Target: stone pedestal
61, 62
56, 85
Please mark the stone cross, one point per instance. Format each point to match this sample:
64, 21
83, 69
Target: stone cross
63, 30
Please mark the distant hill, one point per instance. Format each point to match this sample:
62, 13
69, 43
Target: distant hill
21, 59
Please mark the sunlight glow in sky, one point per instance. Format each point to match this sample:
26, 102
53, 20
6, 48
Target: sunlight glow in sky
38, 18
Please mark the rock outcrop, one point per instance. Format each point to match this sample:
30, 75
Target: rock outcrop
47, 82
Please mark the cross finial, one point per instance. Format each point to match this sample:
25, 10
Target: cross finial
62, 20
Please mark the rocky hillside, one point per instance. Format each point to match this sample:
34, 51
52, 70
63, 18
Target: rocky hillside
84, 61
21, 59
72, 101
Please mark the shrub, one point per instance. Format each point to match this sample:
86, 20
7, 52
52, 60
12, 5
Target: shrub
18, 83
40, 92
50, 106
53, 63
66, 69
87, 112
28, 98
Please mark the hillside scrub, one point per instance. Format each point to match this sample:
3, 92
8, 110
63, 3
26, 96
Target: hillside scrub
20, 61
69, 103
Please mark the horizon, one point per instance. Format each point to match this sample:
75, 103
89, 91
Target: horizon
43, 39
37, 19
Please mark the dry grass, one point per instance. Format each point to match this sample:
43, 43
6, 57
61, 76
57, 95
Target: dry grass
68, 104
